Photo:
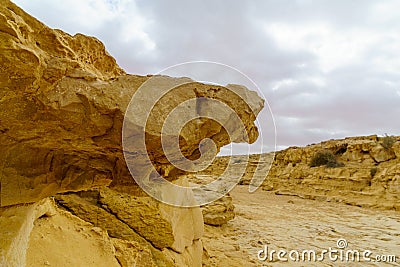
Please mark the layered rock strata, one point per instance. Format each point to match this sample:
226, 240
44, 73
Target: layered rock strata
62, 104
368, 174
63, 101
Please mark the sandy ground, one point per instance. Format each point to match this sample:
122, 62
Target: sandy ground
65, 240
291, 223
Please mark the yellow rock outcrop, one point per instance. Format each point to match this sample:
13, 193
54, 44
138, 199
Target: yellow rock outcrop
62, 104
63, 101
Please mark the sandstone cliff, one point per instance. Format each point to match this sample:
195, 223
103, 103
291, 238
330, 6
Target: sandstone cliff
62, 129
368, 176
62, 105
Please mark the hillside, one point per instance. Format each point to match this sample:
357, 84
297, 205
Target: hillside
368, 174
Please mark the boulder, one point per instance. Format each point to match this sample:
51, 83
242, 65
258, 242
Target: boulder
381, 154
141, 220
219, 212
131, 253
126, 241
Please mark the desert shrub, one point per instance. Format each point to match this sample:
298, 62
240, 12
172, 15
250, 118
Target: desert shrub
373, 171
388, 141
325, 157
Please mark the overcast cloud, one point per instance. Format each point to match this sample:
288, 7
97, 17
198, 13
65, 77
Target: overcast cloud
329, 69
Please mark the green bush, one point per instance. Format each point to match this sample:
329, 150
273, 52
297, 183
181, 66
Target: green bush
388, 141
325, 157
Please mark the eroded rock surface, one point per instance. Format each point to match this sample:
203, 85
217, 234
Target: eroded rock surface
170, 234
62, 105
16, 224
219, 212
54, 242
63, 101
370, 176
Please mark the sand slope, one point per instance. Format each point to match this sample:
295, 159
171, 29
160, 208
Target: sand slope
66, 240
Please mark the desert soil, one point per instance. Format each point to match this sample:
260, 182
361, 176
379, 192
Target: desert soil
292, 223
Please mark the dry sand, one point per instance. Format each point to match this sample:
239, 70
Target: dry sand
292, 223
66, 240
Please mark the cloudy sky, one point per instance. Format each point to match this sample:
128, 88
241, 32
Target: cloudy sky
328, 69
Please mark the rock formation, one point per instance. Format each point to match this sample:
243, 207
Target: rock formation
169, 234
219, 212
16, 224
369, 177
63, 101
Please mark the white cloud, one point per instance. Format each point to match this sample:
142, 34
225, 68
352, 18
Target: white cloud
333, 47
89, 15
385, 12
284, 83
119, 20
